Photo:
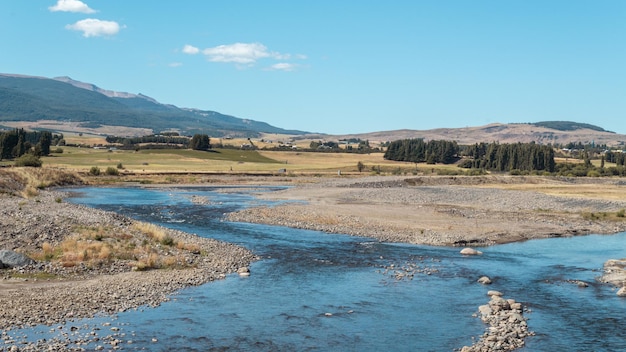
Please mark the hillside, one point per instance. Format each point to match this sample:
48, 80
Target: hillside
64, 100
541, 132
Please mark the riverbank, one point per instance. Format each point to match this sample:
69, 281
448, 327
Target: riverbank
100, 278
444, 211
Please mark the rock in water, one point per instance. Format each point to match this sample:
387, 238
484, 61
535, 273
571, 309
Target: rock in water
13, 259
470, 251
485, 280
622, 292
243, 271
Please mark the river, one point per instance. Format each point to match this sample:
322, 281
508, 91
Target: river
313, 291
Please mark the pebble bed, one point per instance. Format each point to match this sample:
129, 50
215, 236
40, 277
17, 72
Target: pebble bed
518, 212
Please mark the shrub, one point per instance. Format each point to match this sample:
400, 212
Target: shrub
593, 173
120, 166
167, 241
620, 213
28, 160
111, 171
94, 171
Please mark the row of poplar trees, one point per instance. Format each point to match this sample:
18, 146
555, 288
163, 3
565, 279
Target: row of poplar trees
488, 156
18, 142
507, 157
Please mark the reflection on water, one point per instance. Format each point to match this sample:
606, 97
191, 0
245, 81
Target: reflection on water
315, 291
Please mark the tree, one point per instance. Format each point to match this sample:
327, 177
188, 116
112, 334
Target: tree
200, 142
360, 166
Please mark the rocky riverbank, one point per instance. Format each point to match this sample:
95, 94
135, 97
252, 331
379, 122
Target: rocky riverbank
63, 288
615, 274
439, 210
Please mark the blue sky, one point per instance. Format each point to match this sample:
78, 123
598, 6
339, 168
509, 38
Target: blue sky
338, 66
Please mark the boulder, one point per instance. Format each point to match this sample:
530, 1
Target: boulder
11, 259
470, 251
243, 271
622, 292
485, 280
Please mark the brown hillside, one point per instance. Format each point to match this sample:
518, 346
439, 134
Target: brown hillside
498, 132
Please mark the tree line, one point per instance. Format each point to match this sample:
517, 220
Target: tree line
618, 158
157, 139
15, 143
417, 151
508, 157
197, 142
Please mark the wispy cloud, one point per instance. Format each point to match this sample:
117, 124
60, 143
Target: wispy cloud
191, 50
175, 64
71, 6
283, 66
244, 55
241, 53
92, 27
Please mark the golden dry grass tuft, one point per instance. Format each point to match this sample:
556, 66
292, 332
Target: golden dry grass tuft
155, 233
144, 247
27, 181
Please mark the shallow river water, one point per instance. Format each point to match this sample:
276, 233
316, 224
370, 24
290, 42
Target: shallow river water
313, 291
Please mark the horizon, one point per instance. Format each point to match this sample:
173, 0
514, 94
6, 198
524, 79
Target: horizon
311, 67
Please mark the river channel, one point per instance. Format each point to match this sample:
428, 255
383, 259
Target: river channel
313, 291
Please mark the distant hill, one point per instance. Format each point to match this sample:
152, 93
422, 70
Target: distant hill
62, 99
553, 132
568, 126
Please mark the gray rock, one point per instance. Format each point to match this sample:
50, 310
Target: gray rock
12, 259
622, 292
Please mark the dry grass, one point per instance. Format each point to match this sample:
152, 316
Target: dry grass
145, 246
154, 232
27, 181
574, 190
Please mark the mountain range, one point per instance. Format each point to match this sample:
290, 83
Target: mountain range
62, 99
47, 102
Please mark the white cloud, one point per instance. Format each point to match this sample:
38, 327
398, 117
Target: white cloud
71, 6
245, 55
191, 50
92, 27
283, 66
240, 53
175, 64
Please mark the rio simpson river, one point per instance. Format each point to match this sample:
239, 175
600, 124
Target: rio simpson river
313, 291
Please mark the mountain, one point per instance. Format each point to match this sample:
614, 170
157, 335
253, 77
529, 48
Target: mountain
62, 99
553, 132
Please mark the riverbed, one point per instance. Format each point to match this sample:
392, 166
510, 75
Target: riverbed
332, 292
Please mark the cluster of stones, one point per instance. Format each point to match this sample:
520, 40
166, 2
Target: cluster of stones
615, 274
407, 271
507, 325
76, 338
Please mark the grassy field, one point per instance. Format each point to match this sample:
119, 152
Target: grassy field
221, 161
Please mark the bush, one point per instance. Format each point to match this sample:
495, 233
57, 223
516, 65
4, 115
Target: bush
120, 166
28, 160
593, 173
94, 171
621, 213
111, 171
